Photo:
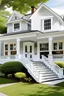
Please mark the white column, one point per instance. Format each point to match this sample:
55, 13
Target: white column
18, 47
0, 47
50, 46
50, 50
38, 49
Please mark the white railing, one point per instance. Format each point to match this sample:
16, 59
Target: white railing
31, 69
58, 57
55, 68
8, 57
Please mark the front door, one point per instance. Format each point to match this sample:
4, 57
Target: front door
28, 48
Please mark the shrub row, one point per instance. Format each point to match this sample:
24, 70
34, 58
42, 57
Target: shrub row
12, 67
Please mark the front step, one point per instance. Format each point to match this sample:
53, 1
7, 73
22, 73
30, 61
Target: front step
46, 73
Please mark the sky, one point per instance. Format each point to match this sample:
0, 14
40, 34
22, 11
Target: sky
56, 5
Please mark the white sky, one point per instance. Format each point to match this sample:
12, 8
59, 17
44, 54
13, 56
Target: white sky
56, 5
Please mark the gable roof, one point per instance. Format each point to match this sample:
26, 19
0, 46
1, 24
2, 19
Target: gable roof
20, 16
43, 5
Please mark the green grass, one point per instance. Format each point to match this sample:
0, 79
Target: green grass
26, 89
6, 80
60, 63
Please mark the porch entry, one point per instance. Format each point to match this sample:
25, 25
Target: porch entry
28, 49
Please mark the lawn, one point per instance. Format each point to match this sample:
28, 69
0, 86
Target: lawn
6, 80
27, 89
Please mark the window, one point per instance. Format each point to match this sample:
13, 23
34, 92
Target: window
47, 24
11, 46
16, 26
60, 45
6, 49
55, 46
12, 49
43, 46
25, 48
6, 46
30, 49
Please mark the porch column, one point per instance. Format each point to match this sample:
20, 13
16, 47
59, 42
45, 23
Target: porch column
50, 48
18, 47
0, 48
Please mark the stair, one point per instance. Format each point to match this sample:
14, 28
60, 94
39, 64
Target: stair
46, 73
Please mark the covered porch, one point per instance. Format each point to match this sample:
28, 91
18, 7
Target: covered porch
32, 45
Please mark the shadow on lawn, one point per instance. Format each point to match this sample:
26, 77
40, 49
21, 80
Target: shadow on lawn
52, 91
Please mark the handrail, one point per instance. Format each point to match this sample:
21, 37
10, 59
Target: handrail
29, 65
55, 68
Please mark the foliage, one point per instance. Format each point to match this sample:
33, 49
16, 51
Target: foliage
11, 67
6, 80
20, 75
21, 5
28, 79
3, 18
60, 63
26, 89
9, 75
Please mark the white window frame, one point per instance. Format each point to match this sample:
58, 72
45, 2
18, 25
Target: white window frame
42, 23
19, 28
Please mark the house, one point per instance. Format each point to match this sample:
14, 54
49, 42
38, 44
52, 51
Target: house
36, 40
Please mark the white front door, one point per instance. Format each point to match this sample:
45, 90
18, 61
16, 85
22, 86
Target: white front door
28, 49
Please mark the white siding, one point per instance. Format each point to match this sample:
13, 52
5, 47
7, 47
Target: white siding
40, 15
23, 26
9, 28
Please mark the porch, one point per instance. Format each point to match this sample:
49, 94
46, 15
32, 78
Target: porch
32, 45
12, 49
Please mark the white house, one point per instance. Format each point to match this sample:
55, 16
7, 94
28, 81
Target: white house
36, 40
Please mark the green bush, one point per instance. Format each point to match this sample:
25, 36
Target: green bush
28, 79
20, 75
11, 68
60, 63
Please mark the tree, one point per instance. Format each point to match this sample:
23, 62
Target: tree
20, 5
3, 18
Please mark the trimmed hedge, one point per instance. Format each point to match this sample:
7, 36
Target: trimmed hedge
12, 67
20, 75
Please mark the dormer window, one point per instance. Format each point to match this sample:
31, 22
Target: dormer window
47, 24
15, 17
16, 26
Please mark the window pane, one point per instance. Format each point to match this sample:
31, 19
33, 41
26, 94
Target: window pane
44, 46
30, 49
55, 46
60, 45
11, 46
6, 46
47, 24
13, 52
25, 48
6, 53
16, 26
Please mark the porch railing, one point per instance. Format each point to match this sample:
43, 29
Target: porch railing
53, 66
58, 57
8, 57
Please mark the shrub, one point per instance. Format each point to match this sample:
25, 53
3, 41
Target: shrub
28, 79
9, 75
20, 75
11, 68
60, 63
